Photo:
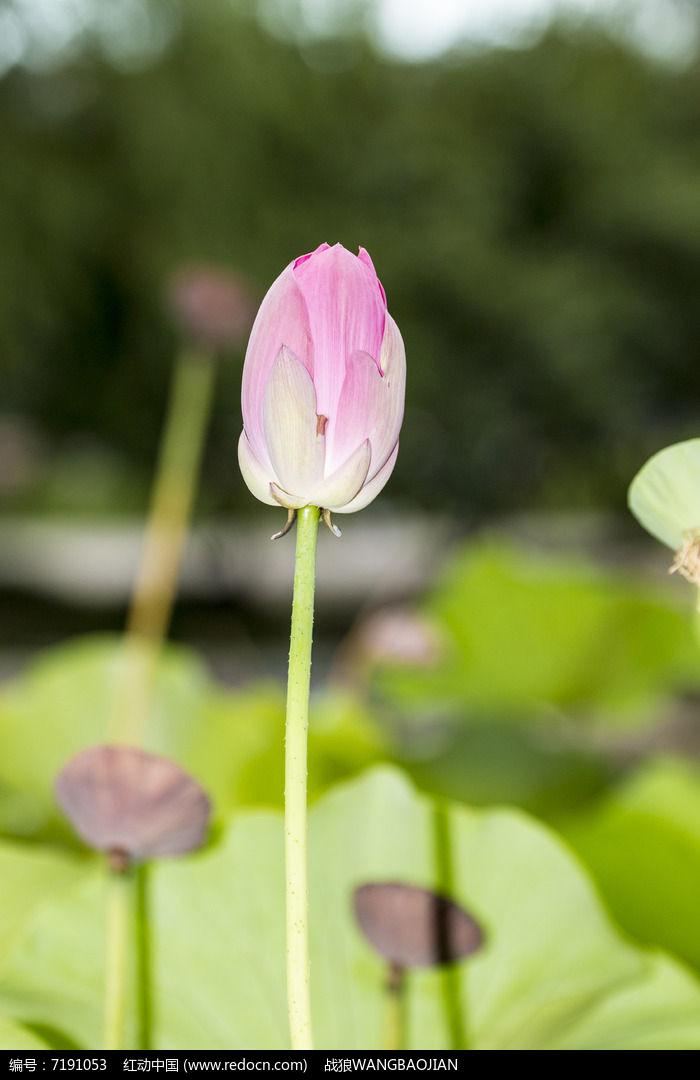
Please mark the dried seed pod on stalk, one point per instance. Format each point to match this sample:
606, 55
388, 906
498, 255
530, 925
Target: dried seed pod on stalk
132, 804
414, 927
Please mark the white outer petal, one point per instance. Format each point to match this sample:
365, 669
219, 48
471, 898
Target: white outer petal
346, 482
393, 363
297, 452
256, 477
289, 502
372, 488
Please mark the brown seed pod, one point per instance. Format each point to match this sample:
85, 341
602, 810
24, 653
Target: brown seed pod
132, 804
412, 927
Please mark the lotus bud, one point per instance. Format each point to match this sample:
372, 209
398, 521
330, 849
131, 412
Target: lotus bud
323, 386
665, 498
131, 804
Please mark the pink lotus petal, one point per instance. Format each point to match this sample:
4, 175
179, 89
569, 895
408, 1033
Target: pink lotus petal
370, 405
346, 312
296, 447
372, 488
364, 256
303, 258
281, 320
255, 475
359, 410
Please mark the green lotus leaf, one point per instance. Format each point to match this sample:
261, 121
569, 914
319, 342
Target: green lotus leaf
17, 1037
231, 741
554, 973
29, 875
529, 635
642, 844
665, 494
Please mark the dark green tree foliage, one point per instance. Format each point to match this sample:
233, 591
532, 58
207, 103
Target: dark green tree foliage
534, 213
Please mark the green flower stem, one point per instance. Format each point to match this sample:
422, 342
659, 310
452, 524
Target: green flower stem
395, 1021
175, 484
119, 936
144, 974
174, 488
298, 990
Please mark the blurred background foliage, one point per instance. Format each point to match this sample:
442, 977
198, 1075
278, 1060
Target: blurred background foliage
533, 212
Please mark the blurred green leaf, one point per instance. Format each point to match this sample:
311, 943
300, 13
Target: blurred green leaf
554, 974
642, 844
29, 875
233, 742
537, 232
239, 750
17, 1037
528, 635
65, 701
500, 763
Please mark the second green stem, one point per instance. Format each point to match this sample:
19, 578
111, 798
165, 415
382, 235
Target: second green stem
298, 989
117, 971
174, 488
